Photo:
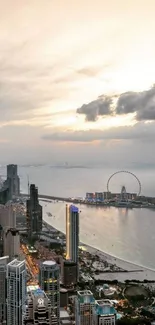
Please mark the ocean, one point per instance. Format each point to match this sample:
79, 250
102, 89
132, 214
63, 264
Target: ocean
128, 234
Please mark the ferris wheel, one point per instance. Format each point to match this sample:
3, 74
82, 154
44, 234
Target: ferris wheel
123, 190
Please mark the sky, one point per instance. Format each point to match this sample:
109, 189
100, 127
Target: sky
77, 82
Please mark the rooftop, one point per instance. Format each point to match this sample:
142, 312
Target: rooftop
3, 260
104, 307
104, 302
86, 297
74, 208
85, 293
63, 313
49, 263
16, 263
32, 288
38, 293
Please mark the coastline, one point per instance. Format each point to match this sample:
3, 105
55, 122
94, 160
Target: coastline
132, 271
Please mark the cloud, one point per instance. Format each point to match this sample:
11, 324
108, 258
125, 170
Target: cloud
99, 107
141, 131
141, 103
93, 71
27, 88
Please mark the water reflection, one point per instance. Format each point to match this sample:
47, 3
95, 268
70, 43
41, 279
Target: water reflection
128, 234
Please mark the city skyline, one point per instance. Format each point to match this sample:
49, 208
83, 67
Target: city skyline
77, 79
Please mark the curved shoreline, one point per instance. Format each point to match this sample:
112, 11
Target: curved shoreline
112, 259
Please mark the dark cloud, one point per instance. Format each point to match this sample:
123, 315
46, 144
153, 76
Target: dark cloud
99, 107
141, 131
142, 103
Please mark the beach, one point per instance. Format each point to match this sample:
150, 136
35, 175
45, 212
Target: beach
132, 271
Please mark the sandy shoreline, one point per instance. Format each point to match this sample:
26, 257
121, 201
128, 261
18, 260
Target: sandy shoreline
135, 271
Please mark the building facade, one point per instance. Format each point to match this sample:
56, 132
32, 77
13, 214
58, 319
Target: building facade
12, 182
69, 273
11, 243
34, 212
49, 281
72, 233
85, 308
90, 196
3, 264
10, 235
99, 197
16, 291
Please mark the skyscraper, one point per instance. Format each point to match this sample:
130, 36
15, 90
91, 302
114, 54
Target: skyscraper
49, 280
105, 312
11, 243
69, 273
3, 265
16, 291
10, 235
4, 195
72, 233
34, 212
85, 308
12, 182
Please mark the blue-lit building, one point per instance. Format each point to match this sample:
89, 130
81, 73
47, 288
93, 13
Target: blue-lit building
105, 313
85, 308
72, 233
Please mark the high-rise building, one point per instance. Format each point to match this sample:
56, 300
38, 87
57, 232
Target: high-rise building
4, 195
49, 280
7, 216
38, 308
72, 233
16, 291
11, 243
85, 308
34, 212
63, 298
105, 312
3, 264
12, 182
69, 274
10, 235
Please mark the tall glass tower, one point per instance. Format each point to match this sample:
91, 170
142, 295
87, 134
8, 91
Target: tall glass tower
16, 291
72, 233
49, 281
34, 212
13, 181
